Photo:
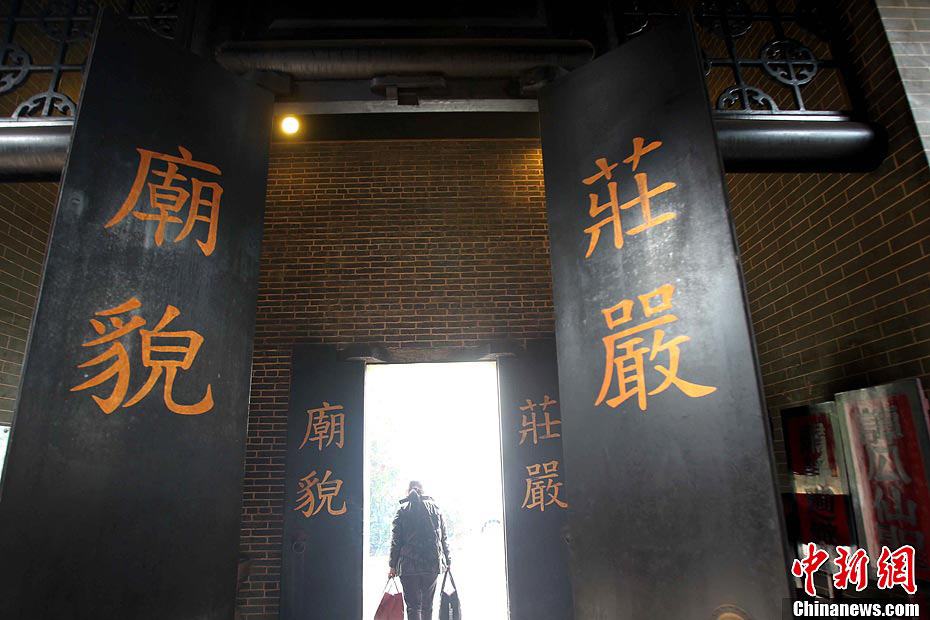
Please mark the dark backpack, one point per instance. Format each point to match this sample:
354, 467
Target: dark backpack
449, 606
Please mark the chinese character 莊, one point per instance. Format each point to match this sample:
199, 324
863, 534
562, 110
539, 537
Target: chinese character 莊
642, 199
531, 426
163, 352
541, 488
626, 359
323, 425
167, 197
315, 494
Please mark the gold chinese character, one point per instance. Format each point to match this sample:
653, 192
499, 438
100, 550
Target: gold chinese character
149, 339
325, 426
629, 364
644, 194
167, 197
531, 427
120, 366
541, 488
315, 494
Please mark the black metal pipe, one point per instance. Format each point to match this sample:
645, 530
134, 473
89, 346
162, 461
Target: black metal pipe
764, 145
360, 60
33, 152
37, 152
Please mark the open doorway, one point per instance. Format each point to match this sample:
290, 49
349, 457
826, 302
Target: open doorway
437, 423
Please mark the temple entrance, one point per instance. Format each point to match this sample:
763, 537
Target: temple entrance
439, 424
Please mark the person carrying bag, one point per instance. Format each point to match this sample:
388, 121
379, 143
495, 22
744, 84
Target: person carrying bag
419, 550
449, 606
392, 605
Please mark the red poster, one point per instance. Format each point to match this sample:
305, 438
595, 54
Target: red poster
887, 430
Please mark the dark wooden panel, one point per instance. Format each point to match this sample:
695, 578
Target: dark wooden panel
673, 510
324, 515
534, 504
122, 493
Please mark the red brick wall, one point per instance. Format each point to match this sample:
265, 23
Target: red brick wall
406, 244
25, 221
836, 265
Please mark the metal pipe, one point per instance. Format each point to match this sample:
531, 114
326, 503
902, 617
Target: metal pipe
33, 151
365, 59
746, 145
764, 145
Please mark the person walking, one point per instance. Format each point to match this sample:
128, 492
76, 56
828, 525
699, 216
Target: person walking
419, 550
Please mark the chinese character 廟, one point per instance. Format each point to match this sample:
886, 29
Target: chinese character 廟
325, 426
168, 197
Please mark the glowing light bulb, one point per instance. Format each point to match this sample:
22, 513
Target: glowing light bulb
290, 124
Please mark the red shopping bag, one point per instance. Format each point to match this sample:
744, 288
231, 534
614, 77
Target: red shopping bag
392, 605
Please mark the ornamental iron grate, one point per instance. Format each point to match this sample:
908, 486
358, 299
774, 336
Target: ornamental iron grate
46, 44
763, 57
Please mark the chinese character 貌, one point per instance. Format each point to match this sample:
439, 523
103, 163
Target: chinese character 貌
176, 351
315, 494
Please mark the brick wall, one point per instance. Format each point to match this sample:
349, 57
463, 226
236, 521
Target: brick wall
907, 23
836, 265
25, 221
418, 246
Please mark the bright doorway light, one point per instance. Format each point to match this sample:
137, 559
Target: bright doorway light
437, 423
290, 124
4, 443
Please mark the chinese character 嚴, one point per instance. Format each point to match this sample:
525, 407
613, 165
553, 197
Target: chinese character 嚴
541, 488
629, 365
896, 569
531, 426
325, 426
808, 566
852, 569
120, 368
168, 197
315, 494
644, 194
